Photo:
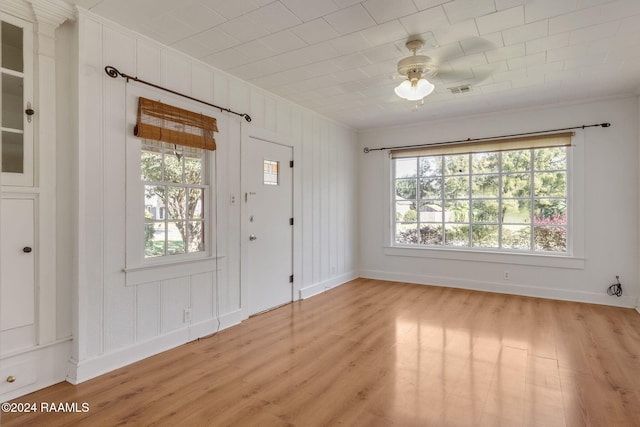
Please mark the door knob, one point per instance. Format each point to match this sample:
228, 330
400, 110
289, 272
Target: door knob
26, 249
253, 237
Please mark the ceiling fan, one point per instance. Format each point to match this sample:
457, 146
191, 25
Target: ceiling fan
417, 69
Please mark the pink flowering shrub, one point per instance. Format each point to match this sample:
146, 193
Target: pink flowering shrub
550, 233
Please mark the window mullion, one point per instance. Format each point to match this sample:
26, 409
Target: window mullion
418, 198
500, 219
532, 201
470, 197
183, 166
443, 238
187, 232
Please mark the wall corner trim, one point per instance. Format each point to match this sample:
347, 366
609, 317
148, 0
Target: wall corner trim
318, 288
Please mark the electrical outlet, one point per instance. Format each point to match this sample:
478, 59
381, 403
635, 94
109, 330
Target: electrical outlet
186, 315
506, 275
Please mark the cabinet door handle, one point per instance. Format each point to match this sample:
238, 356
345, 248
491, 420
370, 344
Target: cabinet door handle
26, 249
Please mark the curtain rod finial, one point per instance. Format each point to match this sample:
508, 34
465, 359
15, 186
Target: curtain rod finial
112, 71
605, 125
366, 149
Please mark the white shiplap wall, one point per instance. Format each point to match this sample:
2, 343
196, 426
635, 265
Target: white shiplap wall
118, 324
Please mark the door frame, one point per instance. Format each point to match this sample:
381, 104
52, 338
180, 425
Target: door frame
247, 132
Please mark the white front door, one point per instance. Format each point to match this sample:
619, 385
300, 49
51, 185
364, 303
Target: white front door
267, 230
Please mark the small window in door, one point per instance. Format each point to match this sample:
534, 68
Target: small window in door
271, 172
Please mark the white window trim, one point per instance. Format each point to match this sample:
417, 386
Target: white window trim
573, 258
139, 269
150, 273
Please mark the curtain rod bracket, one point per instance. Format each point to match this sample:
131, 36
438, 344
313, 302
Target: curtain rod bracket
113, 72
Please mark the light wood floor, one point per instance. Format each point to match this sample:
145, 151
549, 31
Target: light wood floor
379, 353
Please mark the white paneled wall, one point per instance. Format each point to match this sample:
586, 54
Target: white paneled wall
119, 323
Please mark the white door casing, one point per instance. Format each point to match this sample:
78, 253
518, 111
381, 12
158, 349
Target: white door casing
267, 234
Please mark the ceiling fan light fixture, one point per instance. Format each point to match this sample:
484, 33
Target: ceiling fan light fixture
415, 87
414, 90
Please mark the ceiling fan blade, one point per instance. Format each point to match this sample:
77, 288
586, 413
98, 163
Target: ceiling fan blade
445, 53
468, 63
484, 72
460, 49
455, 76
476, 45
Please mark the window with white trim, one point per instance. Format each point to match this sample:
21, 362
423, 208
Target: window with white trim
175, 197
504, 195
173, 159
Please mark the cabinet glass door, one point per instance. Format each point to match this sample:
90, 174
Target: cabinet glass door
16, 146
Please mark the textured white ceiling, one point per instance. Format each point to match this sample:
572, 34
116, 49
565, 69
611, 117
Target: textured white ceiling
338, 57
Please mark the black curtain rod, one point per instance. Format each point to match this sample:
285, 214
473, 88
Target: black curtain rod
113, 73
458, 141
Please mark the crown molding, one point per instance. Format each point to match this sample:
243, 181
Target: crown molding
52, 12
18, 8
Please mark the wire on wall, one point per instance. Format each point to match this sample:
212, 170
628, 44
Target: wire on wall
616, 288
460, 141
114, 73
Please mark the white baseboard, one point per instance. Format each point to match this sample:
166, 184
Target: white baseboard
48, 364
321, 287
231, 319
513, 289
80, 371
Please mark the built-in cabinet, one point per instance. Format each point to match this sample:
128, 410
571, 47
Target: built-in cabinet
17, 279
16, 111
18, 304
32, 354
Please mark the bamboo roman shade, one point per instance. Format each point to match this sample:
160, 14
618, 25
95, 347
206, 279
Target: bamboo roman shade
506, 144
163, 122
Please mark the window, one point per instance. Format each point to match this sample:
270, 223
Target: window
490, 196
175, 197
172, 157
270, 172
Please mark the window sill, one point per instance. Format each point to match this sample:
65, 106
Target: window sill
538, 260
139, 274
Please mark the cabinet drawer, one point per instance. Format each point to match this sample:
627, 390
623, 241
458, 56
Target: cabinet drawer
24, 372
